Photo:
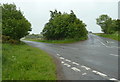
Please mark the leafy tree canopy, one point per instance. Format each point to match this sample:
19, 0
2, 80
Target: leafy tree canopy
64, 26
14, 24
107, 24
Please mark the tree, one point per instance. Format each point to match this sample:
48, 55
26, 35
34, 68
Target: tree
14, 24
64, 26
104, 21
117, 25
108, 25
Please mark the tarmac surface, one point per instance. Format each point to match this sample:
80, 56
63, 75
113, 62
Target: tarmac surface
92, 59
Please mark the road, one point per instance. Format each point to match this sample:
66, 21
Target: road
93, 59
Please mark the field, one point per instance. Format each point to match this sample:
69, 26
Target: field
23, 62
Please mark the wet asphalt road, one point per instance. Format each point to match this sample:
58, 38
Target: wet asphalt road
93, 59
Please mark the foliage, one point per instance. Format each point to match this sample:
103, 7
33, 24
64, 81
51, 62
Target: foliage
14, 24
118, 25
34, 36
108, 25
7, 39
64, 26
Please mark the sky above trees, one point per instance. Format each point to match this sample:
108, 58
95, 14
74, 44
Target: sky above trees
38, 11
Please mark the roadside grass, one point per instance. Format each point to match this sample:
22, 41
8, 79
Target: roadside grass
23, 62
111, 36
59, 41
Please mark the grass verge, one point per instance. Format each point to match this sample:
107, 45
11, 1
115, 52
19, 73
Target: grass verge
111, 36
58, 41
23, 62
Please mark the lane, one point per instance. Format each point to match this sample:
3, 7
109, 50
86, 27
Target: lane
98, 54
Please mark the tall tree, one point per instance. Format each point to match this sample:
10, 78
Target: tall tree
14, 24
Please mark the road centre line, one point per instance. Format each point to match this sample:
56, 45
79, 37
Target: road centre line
113, 55
99, 73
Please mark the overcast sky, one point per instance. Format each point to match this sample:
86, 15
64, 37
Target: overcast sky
37, 11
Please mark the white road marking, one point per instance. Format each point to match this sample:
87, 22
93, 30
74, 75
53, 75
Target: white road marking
103, 44
84, 73
62, 62
67, 65
94, 71
102, 74
99, 73
113, 55
62, 58
67, 60
75, 63
58, 54
87, 68
109, 42
112, 79
75, 69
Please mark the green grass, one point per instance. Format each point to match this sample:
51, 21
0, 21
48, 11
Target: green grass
23, 62
111, 36
58, 41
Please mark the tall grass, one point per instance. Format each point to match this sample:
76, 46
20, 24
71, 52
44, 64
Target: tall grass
23, 62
